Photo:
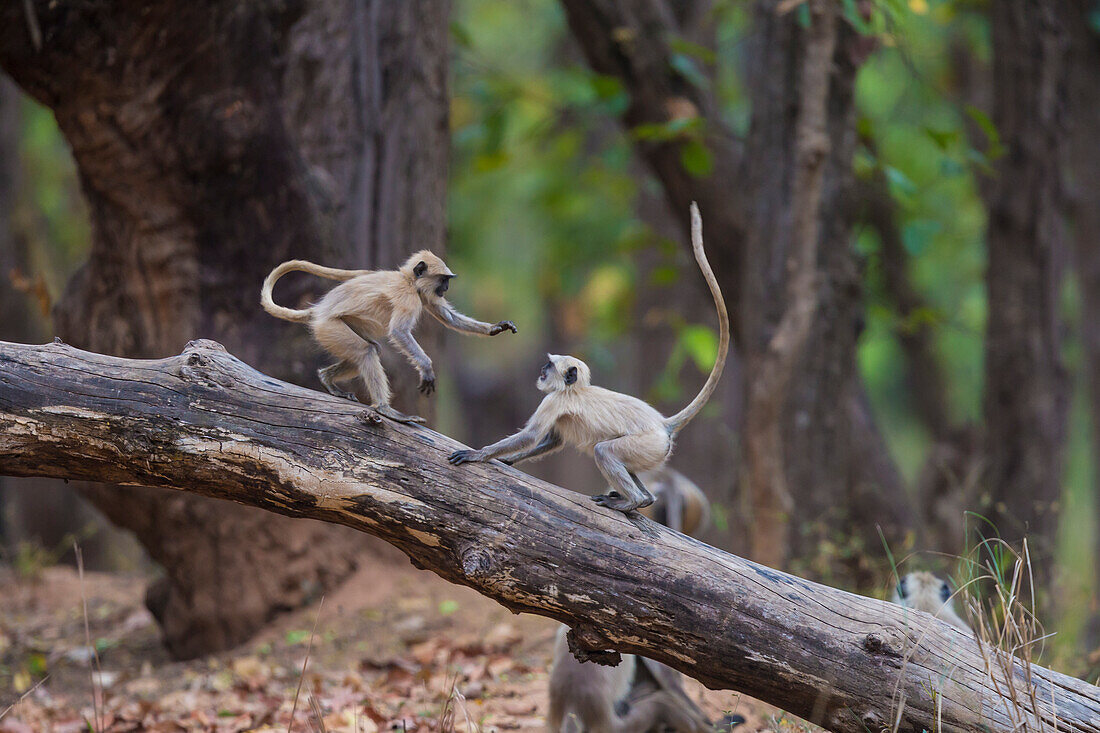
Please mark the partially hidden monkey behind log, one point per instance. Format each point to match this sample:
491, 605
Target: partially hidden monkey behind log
924, 591
680, 503
370, 306
625, 435
638, 694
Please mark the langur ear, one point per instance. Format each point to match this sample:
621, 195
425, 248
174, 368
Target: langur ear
421, 268
571, 375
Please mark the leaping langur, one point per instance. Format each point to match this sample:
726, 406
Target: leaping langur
369, 306
625, 435
924, 591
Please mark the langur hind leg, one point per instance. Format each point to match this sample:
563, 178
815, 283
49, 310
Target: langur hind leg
374, 377
647, 497
328, 376
624, 495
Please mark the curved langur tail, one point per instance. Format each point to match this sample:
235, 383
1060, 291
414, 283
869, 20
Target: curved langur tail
681, 418
291, 314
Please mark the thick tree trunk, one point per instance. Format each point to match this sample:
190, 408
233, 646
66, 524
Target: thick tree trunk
1083, 164
207, 421
1026, 390
771, 367
214, 141
836, 455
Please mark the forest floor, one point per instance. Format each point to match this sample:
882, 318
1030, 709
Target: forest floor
394, 649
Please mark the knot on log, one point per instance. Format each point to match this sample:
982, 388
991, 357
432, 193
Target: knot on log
875, 644
199, 362
369, 416
478, 563
207, 344
586, 646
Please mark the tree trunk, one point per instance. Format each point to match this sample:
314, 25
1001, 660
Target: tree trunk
206, 421
795, 244
1026, 390
838, 466
204, 170
1083, 164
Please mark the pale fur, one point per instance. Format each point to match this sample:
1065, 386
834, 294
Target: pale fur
586, 697
624, 434
925, 592
369, 307
680, 504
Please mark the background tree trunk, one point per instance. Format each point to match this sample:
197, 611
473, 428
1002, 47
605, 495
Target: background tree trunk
1026, 389
214, 141
1083, 164
838, 465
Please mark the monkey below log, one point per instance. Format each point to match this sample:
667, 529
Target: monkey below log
625, 435
925, 592
369, 306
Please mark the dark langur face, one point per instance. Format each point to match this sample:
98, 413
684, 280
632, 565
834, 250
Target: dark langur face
562, 372
444, 283
945, 592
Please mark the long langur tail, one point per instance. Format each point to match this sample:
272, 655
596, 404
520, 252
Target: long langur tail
681, 418
291, 314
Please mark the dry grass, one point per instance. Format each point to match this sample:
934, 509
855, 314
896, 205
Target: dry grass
996, 597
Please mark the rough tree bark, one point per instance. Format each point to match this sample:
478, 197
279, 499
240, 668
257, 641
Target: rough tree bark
214, 140
838, 458
770, 369
206, 421
1026, 390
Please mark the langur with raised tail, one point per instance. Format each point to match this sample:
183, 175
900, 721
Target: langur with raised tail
371, 306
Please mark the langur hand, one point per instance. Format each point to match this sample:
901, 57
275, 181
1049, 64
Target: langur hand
427, 384
501, 327
466, 456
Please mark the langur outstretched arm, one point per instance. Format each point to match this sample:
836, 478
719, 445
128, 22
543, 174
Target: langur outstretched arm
402, 339
547, 445
446, 314
511, 444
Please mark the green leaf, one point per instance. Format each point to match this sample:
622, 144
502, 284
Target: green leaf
696, 158
686, 67
448, 607
899, 180
701, 344
802, 15
664, 276
665, 131
917, 235
460, 35
950, 168
695, 50
942, 138
981, 119
296, 636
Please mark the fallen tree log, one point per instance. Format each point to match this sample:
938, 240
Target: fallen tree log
207, 423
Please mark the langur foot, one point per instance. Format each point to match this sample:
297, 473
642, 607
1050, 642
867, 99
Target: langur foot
337, 392
464, 456
612, 500
392, 414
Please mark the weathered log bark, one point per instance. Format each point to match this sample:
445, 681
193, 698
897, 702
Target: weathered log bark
208, 422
